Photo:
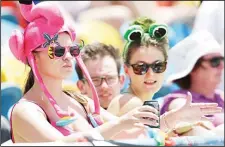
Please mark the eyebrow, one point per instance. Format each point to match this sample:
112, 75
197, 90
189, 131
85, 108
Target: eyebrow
211, 57
140, 61
40, 49
104, 76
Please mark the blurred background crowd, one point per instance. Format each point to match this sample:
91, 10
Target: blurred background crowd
106, 22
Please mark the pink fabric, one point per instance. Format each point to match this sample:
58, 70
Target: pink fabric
96, 114
43, 18
95, 95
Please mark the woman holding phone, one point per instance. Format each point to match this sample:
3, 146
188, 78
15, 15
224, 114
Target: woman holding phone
145, 61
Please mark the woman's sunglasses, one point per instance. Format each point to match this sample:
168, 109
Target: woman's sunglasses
215, 61
142, 68
59, 51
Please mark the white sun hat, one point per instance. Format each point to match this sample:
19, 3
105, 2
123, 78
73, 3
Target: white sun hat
184, 55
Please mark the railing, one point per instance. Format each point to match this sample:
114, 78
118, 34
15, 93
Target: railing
176, 141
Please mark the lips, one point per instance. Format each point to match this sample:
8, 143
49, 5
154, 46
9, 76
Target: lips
105, 95
150, 82
67, 66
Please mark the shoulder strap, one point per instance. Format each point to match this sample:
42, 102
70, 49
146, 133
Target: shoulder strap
11, 130
82, 99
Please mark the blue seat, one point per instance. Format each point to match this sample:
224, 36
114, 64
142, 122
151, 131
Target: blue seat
166, 89
178, 31
10, 94
37, 1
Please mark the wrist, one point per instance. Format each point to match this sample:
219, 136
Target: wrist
120, 124
172, 117
110, 128
168, 120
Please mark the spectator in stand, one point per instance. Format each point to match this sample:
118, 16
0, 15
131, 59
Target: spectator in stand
198, 62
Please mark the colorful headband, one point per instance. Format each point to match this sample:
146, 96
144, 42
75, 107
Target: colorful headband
137, 32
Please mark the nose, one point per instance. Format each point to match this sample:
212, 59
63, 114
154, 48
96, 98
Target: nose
68, 56
221, 67
222, 64
150, 72
104, 85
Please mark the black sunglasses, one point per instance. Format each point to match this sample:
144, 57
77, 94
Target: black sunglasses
215, 61
141, 68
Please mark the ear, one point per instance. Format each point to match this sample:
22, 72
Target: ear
194, 71
36, 56
126, 69
122, 80
81, 87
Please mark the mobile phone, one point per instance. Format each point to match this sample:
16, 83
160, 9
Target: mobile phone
155, 105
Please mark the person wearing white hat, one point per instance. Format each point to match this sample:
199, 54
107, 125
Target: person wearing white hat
197, 63
210, 16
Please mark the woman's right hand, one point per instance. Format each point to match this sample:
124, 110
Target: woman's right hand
139, 117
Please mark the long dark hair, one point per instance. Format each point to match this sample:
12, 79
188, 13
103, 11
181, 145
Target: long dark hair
30, 78
30, 82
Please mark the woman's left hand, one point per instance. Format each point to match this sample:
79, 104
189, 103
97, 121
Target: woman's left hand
192, 112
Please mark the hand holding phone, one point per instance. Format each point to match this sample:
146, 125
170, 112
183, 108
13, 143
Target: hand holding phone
155, 105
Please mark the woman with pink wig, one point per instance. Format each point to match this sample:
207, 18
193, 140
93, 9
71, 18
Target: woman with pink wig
46, 113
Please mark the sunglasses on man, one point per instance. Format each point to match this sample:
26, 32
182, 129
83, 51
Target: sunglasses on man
142, 68
110, 80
